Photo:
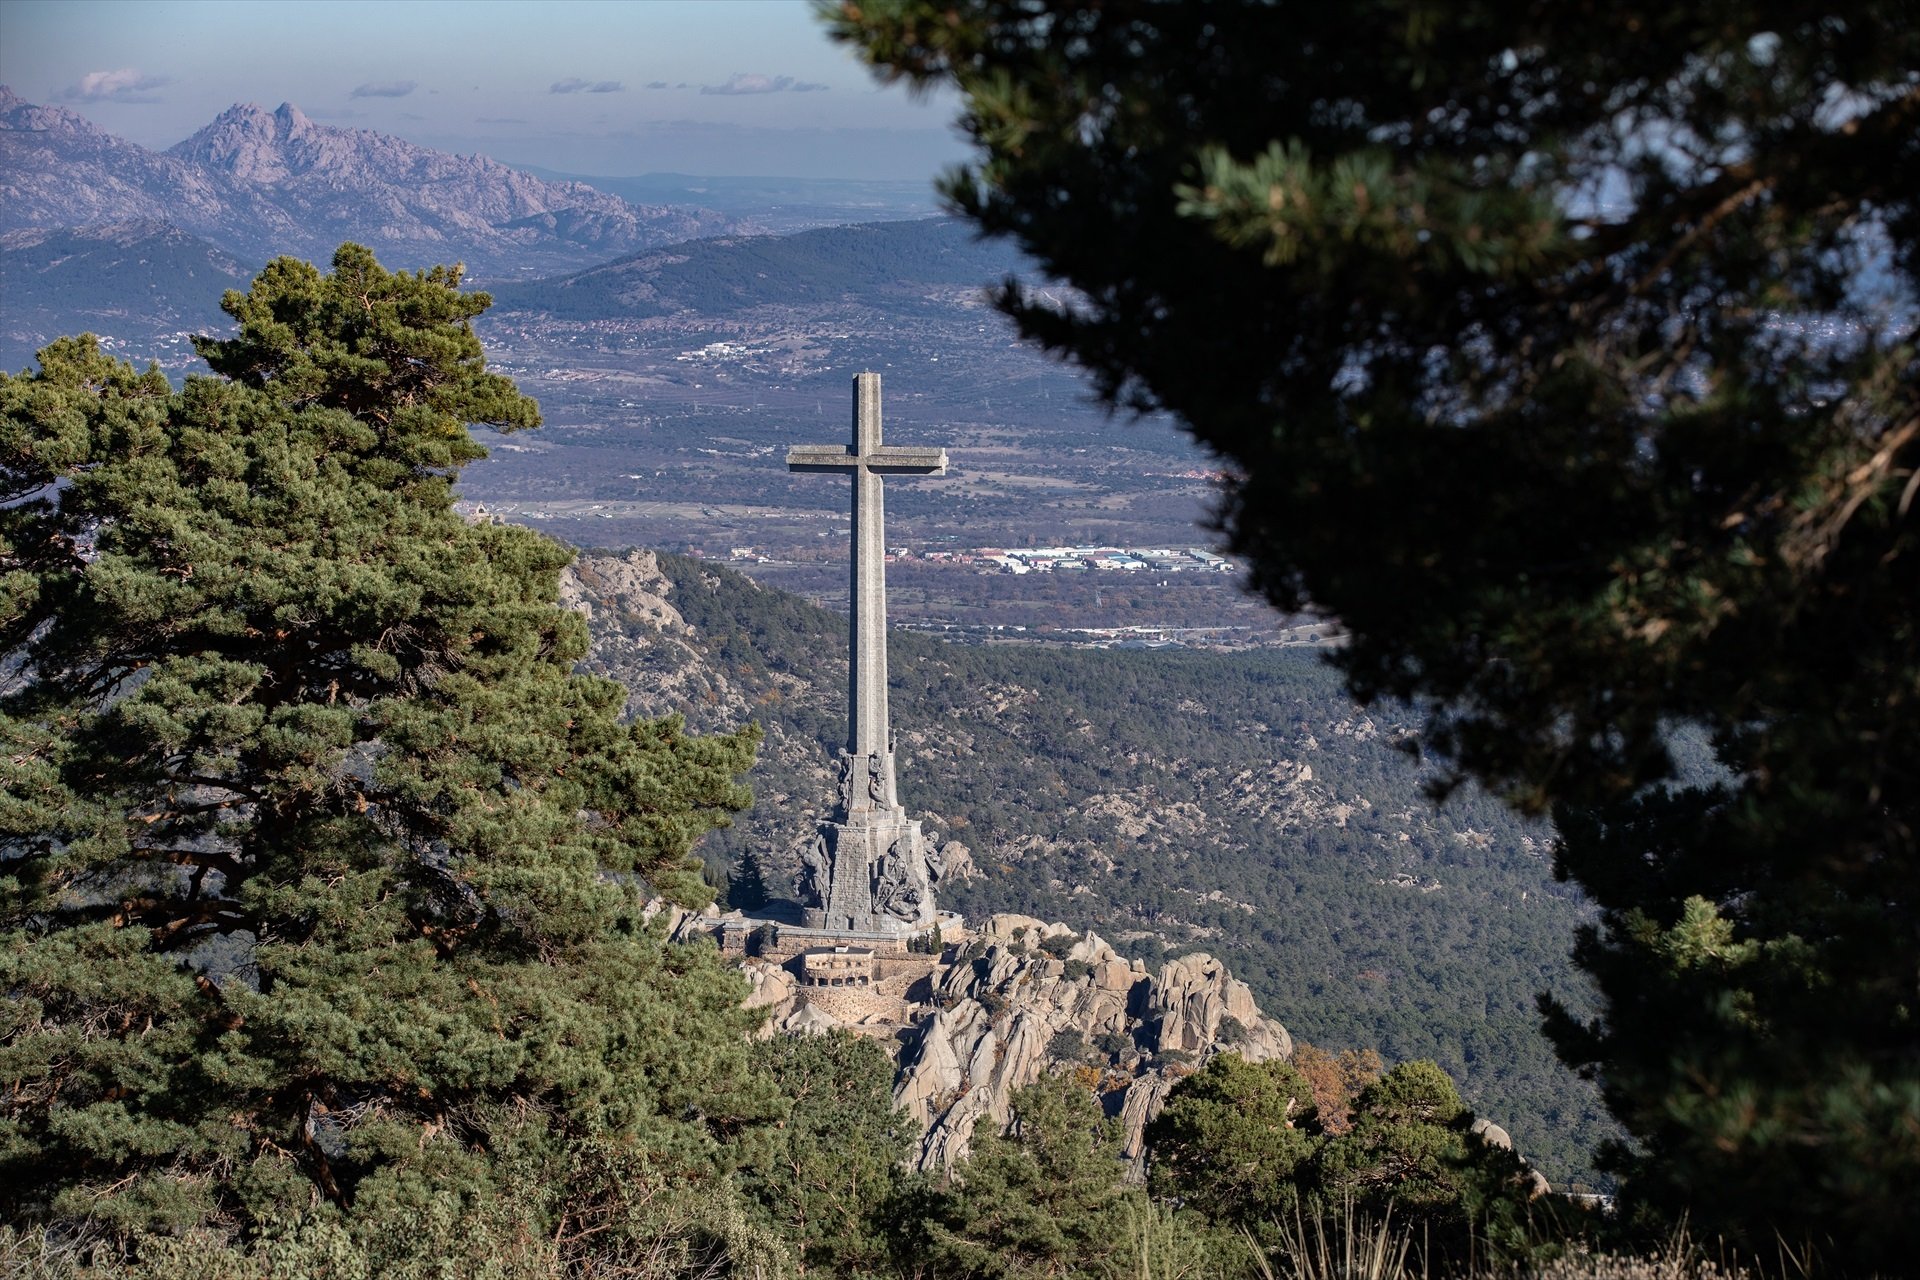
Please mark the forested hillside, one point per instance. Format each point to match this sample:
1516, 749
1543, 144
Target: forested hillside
726, 274
147, 284
1174, 801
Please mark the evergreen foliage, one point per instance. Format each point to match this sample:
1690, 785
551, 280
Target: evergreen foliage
1044, 1199
1405, 1144
1566, 354
832, 1174
1242, 1144
320, 869
1232, 1139
746, 885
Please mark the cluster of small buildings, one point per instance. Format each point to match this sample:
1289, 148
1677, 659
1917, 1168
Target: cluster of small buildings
716, 353
1047, 559
1111, 559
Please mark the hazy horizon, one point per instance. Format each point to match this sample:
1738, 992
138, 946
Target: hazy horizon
751, 88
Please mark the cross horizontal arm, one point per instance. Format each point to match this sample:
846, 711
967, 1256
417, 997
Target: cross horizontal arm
821, 457
888, 460
895, 460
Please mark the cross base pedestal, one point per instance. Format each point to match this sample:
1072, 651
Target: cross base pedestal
871, 876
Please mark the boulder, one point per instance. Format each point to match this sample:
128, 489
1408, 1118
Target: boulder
1004, 927
771, 986
1492, 1134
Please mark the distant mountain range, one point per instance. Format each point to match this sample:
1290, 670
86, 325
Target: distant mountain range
100, 234
256, 183
772, 205
148, 284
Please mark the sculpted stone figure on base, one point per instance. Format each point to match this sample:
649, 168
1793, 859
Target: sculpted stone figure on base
815, 868
903, 880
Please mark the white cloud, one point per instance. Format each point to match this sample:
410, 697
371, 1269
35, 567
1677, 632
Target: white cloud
741, 82
574, 84
385, 89
128, 84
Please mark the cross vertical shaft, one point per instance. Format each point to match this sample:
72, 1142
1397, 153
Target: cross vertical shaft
867, 723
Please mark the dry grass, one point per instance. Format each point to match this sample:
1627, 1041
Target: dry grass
1351, 1247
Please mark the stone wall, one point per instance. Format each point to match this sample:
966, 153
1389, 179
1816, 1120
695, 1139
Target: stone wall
782, 942
867, 1010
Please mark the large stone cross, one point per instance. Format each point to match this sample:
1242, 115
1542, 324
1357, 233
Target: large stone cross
872, 850
867, 460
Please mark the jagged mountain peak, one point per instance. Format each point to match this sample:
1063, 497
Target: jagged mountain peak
253, 144
261, 183
17, 115
283, 120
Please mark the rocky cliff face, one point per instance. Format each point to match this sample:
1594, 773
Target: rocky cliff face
260, 183
1016, 1010
1021, 998
640, 639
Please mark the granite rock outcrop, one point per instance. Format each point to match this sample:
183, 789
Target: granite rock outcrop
1021, 998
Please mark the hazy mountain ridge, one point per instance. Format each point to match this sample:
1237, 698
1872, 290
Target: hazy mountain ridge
903, 261
260, 183
769, 205
145, 286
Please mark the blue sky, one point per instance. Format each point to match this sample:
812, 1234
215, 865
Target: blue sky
716, 87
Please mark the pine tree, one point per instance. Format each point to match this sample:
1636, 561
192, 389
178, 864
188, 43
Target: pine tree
1411, 1152
321, 872
829, 1175
746, 883
1405, 1146
1043, 1199
1232, 1139
1567, 355
1051, 1198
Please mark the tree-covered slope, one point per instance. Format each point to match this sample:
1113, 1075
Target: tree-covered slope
731, 273
146, 285
1234, 803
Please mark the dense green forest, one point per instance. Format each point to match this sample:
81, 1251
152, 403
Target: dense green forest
1174, 801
